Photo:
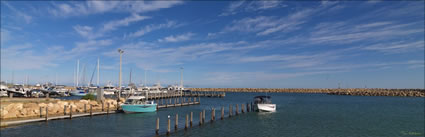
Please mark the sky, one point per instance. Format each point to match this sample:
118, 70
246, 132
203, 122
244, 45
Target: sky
223, 44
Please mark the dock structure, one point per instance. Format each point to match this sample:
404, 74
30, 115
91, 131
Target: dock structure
202, 121
73, 114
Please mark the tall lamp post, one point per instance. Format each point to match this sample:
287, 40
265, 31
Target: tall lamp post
119, 91
181, 80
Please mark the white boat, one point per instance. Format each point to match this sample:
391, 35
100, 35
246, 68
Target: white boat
264, 104
109, 89
3, 90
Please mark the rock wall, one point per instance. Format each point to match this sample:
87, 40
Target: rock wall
346, 91
23, 110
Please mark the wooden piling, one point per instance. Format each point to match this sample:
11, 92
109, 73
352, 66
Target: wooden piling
41, 112
200, 118
237, 109
199, 99
70, 111
10, 95
212, 114
157, 126
222, 113
103, 108
243, 108
175, 101
64, 109
191, 118
85, 108
118, 106
203, 116
186, 123
47, 113
176, 123
247, 107
91, 110
107, 109
230, 111
168, 126
252, 107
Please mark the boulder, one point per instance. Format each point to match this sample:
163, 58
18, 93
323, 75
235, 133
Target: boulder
30, 105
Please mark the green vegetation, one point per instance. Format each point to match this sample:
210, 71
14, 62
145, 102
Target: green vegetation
89, 97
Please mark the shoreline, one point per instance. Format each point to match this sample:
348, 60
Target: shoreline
330, 91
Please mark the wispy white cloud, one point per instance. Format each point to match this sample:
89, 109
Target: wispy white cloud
21, 57
177, 38
112, 25
5, 36
27, 18
96, 7
397, 47
149, 28
89, 33
244, 6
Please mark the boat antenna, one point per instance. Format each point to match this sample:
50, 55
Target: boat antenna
130, 77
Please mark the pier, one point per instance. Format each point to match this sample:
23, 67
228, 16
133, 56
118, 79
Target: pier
88, 110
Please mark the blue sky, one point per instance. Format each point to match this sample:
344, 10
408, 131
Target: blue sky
272, 44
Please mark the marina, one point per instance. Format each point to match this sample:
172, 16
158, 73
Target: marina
319, 114
214, 68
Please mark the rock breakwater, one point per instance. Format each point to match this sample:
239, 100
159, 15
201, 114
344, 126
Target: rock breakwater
346, 91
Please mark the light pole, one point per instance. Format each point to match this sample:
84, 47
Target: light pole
181, 80
119, 91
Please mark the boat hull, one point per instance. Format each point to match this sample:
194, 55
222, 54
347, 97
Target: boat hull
266, 107
138, 108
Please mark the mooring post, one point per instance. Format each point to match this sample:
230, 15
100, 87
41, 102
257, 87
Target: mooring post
186, 124
91, 110
175, 100
118, 106
70, 111
157, 126
230, 111
203, 116
252, 107
168, 125
243, 108
103, 108
212, 115
64, 109
176, 123
47, 113
107, 109
247, 107
191, 118
199, 100
200, 118
237, 109
41, 112
222, 113
85, 108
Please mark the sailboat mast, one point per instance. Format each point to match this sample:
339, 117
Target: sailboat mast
145, 78
78, 69
130, 76
98, 62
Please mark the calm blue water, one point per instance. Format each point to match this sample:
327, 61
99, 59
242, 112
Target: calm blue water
297, 115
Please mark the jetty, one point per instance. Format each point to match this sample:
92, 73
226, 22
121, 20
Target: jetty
45, 110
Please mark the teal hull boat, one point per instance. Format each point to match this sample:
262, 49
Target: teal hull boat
138, 104
138, 108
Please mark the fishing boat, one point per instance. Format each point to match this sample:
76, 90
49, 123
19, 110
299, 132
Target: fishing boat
264, 104
138, 104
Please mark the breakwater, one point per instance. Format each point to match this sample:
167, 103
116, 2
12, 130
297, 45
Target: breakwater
345, 91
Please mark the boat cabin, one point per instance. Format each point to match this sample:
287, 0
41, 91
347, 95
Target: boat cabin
262, 100
136, 100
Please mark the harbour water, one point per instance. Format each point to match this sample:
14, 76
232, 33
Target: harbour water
297, 115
